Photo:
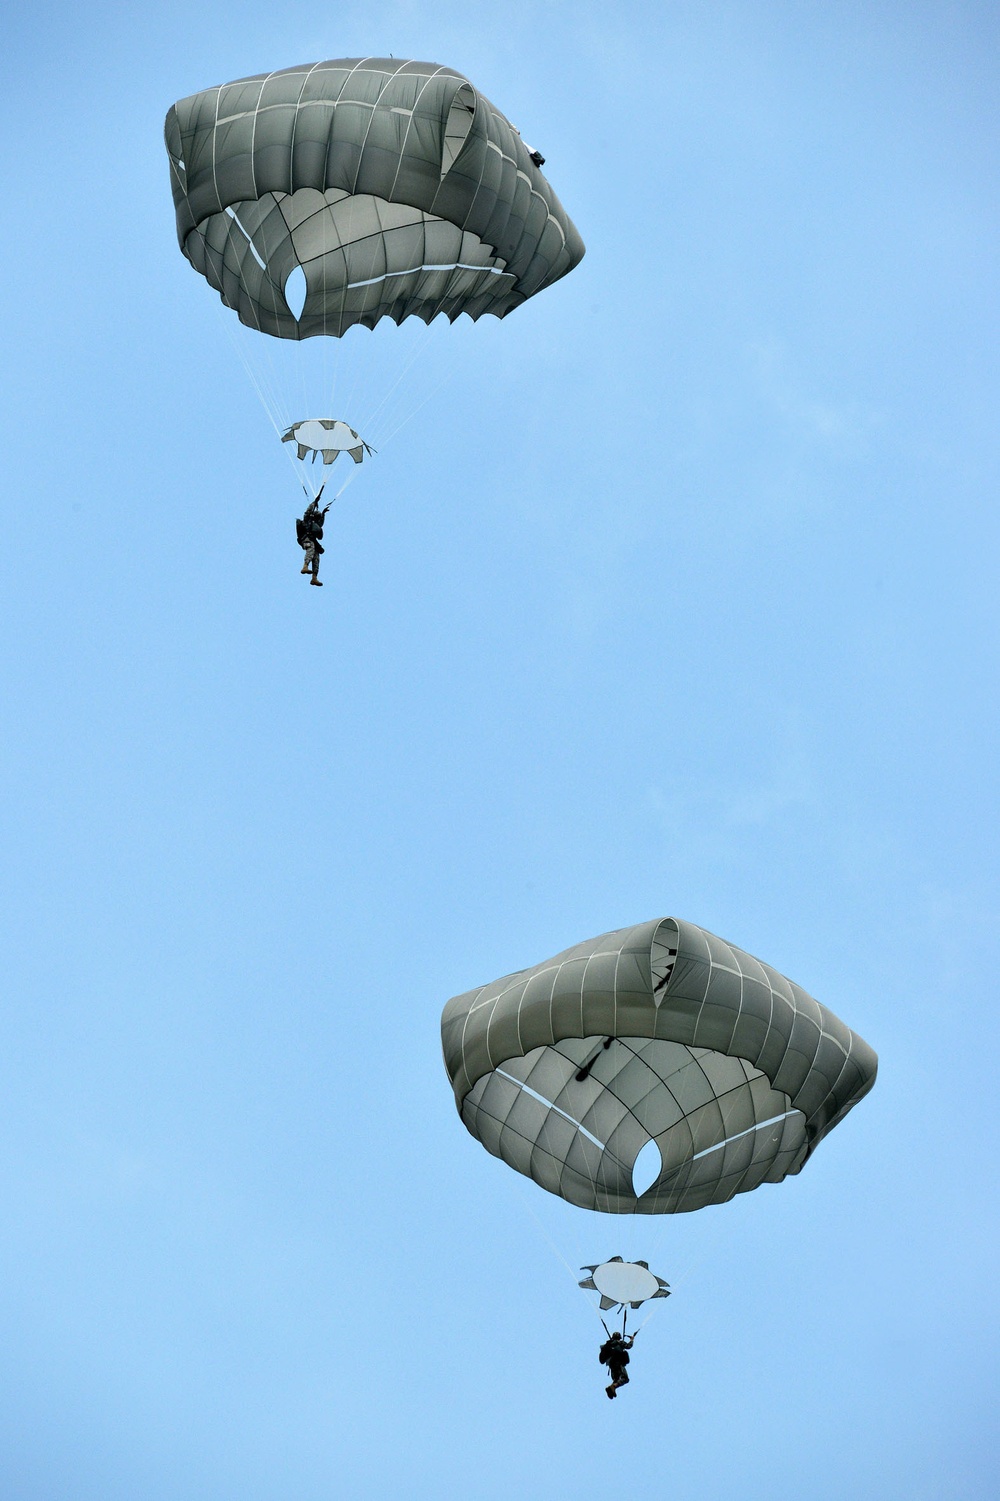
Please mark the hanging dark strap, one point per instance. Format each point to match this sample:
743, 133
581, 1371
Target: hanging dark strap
584, 1073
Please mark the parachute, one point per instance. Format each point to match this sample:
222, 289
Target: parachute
394, 186
660, 1037
323, 437
624, 1284
336, 194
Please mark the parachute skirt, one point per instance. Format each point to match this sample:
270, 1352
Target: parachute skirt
664, 1033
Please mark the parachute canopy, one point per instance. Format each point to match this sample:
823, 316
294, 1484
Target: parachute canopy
396, 186
659, 1033
620, 1282
325, 437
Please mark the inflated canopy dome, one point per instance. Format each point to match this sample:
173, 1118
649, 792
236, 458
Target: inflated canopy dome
658, 1033
396, 186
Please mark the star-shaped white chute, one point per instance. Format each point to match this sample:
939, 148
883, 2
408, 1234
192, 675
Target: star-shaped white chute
624, 1282
325, 437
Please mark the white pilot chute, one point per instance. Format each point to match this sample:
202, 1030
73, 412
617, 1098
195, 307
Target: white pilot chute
624, 1284
326, 438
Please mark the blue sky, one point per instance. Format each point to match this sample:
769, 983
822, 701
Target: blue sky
676, 594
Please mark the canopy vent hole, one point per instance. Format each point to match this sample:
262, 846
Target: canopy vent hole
295, 291
457, 126
646, 1168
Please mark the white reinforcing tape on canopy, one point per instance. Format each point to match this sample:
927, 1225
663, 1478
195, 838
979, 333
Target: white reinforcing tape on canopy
543, 1101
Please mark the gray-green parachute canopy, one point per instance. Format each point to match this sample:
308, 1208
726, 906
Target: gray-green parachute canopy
396, 186
658, 1033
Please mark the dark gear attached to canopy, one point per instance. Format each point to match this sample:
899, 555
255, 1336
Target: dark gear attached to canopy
614, 1354
309, 534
